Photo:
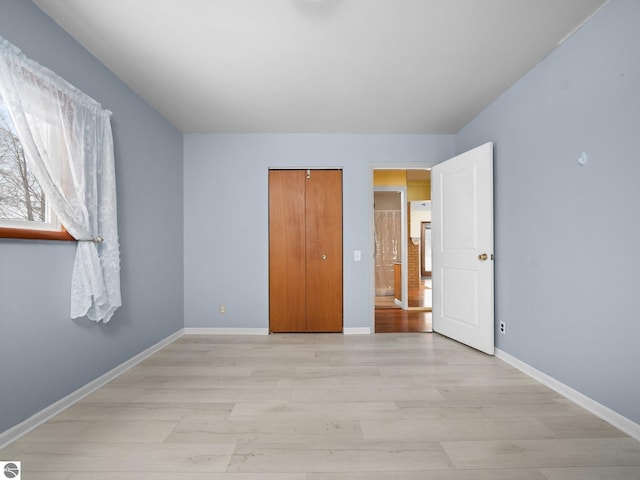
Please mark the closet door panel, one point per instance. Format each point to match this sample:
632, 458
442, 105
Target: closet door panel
287, 303
324, 251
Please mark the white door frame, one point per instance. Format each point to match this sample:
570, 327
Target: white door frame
372, 264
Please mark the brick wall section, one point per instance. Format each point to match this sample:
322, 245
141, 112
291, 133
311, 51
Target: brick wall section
413, 254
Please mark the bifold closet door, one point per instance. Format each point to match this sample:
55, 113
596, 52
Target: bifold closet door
305, 250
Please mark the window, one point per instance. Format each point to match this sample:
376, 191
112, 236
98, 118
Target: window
24, 210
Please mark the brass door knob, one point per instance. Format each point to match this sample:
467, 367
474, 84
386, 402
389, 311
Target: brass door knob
483, 257
323, 256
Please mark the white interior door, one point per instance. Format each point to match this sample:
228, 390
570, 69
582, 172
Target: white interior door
462, 255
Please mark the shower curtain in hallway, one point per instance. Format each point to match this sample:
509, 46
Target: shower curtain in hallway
387, 248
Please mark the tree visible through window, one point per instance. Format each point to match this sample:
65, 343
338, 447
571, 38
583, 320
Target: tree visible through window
21, 197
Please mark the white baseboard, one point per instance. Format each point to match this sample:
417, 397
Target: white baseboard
225, 331
37, 419
357, 331
605, 413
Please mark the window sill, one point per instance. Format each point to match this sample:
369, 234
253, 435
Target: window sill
35, 234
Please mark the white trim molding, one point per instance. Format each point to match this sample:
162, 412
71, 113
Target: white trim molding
37, 419
605, 413
225, 331
357, 331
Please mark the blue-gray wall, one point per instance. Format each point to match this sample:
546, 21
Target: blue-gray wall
43, 354
567, 236
226, 215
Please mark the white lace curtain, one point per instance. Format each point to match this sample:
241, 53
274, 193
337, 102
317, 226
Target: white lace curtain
68, 144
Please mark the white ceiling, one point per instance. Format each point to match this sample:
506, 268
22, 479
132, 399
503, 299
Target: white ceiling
319, 66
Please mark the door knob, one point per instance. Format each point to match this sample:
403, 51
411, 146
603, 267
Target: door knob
323, 256
483, 257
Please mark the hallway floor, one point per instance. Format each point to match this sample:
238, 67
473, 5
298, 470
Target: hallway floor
324, 407
390, 318
396, 320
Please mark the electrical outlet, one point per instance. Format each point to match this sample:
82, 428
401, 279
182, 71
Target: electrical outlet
223, 309
503, 328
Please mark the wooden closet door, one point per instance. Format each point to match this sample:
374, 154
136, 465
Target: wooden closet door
305, 251
324, 251
287, 251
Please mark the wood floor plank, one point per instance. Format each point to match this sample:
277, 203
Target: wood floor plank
120, 457
338, 457
510, 474
593, 473
585, 452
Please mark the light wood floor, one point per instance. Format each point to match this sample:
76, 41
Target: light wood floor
325, 407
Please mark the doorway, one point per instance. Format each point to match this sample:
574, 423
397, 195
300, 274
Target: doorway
462, 248
402, 294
